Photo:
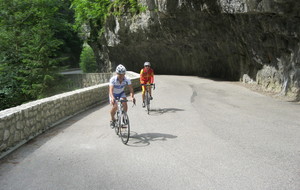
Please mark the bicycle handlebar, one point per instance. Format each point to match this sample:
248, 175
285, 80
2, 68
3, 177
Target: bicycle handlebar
125, 100
151, 84
121, 100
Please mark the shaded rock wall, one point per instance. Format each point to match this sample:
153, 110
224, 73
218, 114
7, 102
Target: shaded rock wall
210, 38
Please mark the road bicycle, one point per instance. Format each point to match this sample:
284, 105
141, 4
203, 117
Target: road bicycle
122, 125
147, 95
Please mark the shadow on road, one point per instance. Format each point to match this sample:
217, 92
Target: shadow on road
160, 111
145, 139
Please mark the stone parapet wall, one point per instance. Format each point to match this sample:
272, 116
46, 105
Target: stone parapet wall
22, 123
86, 79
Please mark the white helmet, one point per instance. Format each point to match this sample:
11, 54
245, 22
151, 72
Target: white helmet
120, 69
147, 64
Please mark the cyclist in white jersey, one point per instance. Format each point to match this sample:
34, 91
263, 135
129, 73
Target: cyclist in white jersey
116, 90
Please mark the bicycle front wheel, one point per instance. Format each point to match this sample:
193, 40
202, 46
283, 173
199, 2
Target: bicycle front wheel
148, 102
117, 125
124, 128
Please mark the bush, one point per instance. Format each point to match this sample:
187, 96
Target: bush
88, 60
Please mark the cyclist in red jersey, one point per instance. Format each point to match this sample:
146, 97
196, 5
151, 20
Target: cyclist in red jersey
146, 77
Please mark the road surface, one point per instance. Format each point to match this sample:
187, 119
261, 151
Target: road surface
200, 134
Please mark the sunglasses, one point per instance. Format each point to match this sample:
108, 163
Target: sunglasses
147, 66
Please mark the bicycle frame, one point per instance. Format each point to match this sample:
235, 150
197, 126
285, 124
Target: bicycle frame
122, 126
147, 95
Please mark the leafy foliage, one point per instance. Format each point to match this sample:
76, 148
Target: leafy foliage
30, 51
37, 39
119, 7
91, 16
95, 12
90, 12
87, 60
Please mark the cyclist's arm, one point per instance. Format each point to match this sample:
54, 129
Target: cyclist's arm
111, 95
141, 76
152, 77
131, 92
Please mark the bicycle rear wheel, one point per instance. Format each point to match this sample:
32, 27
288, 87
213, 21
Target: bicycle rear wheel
124, 128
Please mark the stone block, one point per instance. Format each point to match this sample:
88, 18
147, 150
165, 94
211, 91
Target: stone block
2, 124
19, 125
1, 135
247, 79
17, 137
6, 135
3, 147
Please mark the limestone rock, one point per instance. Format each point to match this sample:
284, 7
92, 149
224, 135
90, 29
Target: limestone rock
209, 38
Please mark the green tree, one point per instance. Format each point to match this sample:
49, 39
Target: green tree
88, 60
90, 13
72, 46
91, 16
93, 13
31, 48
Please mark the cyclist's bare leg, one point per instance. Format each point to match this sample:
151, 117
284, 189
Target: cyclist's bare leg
149, 89
143, 96
113, 111
125, 106
143, 93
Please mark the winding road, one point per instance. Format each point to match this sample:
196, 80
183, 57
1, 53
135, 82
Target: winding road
200, 134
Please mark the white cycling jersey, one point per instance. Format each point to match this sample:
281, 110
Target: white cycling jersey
119, 87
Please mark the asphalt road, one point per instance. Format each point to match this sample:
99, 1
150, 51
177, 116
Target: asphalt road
201, 134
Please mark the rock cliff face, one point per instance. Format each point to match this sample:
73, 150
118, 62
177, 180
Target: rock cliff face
211, 38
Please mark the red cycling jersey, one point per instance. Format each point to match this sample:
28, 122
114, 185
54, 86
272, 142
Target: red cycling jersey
146, 76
